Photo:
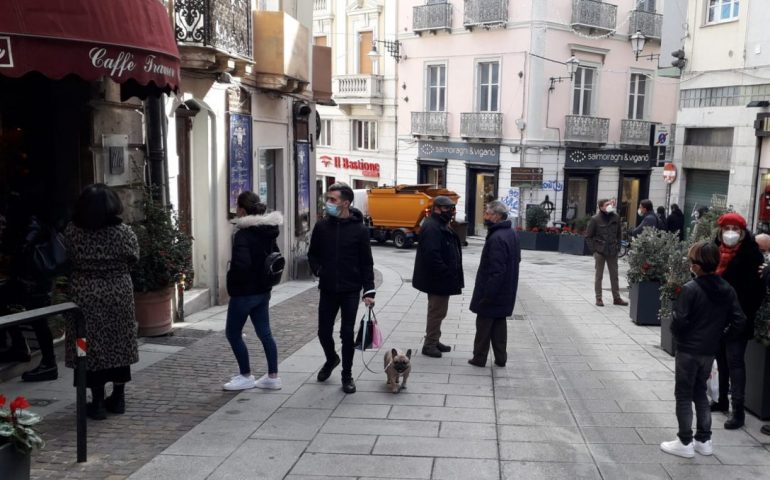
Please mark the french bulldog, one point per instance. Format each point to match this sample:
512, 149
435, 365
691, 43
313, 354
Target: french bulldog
397, 364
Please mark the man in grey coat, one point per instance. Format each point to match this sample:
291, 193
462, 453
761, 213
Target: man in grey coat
603, 237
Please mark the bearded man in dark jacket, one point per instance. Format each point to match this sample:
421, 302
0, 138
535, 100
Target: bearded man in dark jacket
438, 270
341, 256
497, 280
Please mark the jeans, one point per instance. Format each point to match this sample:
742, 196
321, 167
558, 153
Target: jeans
256, 307
328, 306
437, 309
492, 331
732, 370
612, 266
692, 371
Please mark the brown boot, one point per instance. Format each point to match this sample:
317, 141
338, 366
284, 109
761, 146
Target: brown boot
620, 301
599, 302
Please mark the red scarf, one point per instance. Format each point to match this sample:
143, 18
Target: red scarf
726, 255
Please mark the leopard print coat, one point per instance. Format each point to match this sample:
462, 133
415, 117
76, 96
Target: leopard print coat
101, 285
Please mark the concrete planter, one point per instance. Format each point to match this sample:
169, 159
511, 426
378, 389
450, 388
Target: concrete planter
573, 245
14, 465
645, 303
667, 343
758, 379
539, 241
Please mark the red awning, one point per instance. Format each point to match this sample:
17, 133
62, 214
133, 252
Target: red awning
122, 39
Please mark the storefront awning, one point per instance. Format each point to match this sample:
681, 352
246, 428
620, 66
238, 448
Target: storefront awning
125, 40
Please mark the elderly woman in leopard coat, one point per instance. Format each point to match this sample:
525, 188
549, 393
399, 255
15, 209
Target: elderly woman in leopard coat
102, 249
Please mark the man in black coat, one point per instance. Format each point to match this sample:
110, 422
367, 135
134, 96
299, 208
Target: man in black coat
497, 280
675, 221
438, 270
340, 255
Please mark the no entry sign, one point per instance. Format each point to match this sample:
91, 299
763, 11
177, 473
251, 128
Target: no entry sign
669, 173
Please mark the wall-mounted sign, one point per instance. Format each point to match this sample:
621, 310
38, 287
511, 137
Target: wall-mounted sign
468, 152
526, 176
238, 100
669, 173
592, 158
368, 169
661, 135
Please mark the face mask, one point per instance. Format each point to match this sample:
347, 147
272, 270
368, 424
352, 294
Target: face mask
609, 208
767, 257
730, 238
333, 210
488, 223
639, 212
445, 216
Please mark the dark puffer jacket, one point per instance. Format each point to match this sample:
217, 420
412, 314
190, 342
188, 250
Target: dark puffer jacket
603, 234
703, 311
497, 278
741, 274
254, 239
340, 254
438, 266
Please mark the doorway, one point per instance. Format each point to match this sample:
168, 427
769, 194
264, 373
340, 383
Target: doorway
633, 188
266, 177
482, 189
579, 199
184, 124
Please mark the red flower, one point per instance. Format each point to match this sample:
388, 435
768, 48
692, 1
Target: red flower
678, 290
2, 401
19, 403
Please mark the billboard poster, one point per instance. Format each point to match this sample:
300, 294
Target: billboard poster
240, 169
302, 158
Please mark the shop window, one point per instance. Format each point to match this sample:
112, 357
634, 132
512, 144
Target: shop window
637, 95
433, 175
488, 86
325, 139
436, 86
266, 171
722, 10
365, 135
363, 184
577, 200
763, 213
582, 91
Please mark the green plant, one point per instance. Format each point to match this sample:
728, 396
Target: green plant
536, 218
706, 227
677, 275
581, 224
16, 425
165, 250
650, 255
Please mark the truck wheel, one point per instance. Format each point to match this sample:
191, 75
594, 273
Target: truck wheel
399, 239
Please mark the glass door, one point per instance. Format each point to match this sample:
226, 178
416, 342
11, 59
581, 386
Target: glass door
485, 193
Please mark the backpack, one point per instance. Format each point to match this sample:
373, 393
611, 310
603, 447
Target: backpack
273, 267
48, 255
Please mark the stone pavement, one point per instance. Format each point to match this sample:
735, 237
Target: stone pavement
586, 394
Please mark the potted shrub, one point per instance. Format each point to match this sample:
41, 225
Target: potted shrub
165, 259
18, 438
573, 242
758, 364
678, 274
537, 236
648, 262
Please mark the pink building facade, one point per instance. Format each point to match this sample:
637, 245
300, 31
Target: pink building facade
487, 106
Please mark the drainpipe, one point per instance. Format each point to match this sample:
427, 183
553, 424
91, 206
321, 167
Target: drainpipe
558, 150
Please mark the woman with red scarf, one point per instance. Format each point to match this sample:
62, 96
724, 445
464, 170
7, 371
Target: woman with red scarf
739, 261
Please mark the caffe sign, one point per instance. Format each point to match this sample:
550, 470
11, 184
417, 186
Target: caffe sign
597, 158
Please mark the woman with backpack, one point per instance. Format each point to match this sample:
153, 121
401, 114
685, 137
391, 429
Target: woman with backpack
249, 285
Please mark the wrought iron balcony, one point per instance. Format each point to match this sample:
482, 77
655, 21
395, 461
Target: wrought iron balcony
221, 25
432, 17
650, 24
430, 124
635, 132
485, 13
481, 125
594, 14
361, 89
584, 129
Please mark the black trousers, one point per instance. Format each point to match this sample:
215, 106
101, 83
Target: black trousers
692, 371
328, 306
732, 370
492, 331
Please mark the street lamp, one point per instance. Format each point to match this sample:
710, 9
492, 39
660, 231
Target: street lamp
572, 65
393, 48
637, 45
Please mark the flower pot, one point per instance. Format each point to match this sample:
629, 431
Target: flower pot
645, 303
14, 465
154, 312
547, 242
667, 343
758, 379
573, 245
527, 240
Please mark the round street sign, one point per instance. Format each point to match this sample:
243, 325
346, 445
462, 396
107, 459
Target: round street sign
669, 173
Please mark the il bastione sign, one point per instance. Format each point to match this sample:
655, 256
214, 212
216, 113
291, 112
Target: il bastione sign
590, 158
468, 152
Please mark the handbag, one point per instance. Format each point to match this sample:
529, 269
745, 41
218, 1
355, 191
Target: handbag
49, 257
370, 330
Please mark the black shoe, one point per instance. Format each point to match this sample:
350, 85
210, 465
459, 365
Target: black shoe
14, 355
720, 406
499, 364
41, 373
431, 351
443, 348
348, 385
96, 411
765, 429
327, 368
115, 404
476, 363
737, 417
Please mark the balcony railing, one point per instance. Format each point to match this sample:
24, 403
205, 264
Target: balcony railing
635, 132
648, 23
594, 14
224, 25
584, 129
481, 125
319, 5
429, 18
357, 89
430, 124
485, 13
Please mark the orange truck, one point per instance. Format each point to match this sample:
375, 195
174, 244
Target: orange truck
396, 213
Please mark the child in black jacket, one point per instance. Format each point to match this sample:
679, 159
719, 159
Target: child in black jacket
706, 310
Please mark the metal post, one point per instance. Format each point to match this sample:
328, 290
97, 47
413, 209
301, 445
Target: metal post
80, 378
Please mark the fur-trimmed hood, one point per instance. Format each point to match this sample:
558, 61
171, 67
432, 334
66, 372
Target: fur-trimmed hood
272, 219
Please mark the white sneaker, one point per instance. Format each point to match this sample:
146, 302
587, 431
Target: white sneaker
675, 447
704, 448
269, 383
240, 382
